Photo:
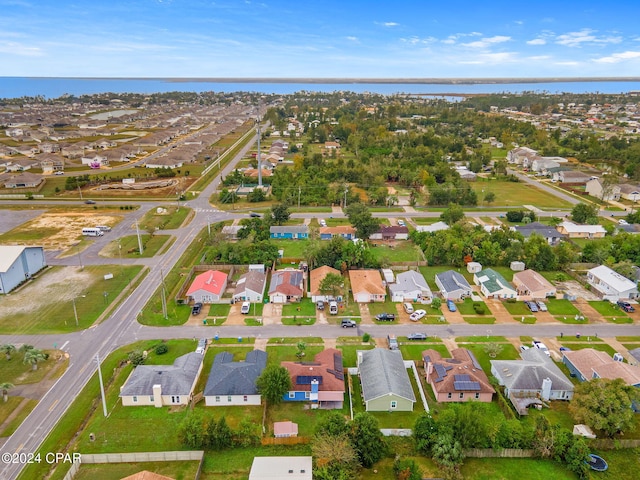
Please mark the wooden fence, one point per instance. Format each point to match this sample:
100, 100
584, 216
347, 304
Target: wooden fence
284, 440
503, 453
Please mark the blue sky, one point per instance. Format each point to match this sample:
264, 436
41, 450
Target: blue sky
364, 39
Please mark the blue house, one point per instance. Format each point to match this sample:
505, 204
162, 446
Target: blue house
18, 264
290, 232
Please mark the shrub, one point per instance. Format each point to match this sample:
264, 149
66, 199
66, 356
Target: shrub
366, 338
478, 308
161, 349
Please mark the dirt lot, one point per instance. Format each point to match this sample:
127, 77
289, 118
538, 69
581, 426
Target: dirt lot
59, 231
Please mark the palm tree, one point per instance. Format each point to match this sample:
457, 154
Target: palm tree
5, 387
8, 349
33, 356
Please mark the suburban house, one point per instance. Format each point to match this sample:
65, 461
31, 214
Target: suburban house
522, 156
453, 285
230, 232
164, 162
250, 287
574, 230
385, 382
234, 383
320, 382
367, 286
20, 180
493, 285
291, 468
208, 287
18, 264
456, 379
161, 385
410, 286
390, 232
588, 363
294, 232
571, 177
531, 285
315, 279
285, 429
601, 190
550, 234
534, 377
629, 192
543, 164
286, 286
434, 227
610, 285
344, 231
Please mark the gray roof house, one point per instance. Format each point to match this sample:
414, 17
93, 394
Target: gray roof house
250, 287
410, 286
161, 385
234, 383
385, 382
452, 285
550, 234
536, 375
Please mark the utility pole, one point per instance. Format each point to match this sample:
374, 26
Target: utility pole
164, 298
80, 191
299, 191
104, 401
140, 249
209, 225
259, 159
346, 189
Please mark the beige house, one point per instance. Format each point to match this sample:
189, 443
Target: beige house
367, 286
531, 285
315, 279
574, 230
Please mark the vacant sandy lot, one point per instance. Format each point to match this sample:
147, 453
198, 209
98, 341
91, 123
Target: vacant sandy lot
58, 231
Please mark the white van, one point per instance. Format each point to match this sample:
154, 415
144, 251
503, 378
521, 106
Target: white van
408, 307
244, 309
92, 232
104, 228
333, 308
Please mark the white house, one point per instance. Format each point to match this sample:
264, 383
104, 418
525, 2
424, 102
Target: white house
291, 468
250, 287
18, 264
493, 285
610, 285
452, 285
208, 287
234, 383
410, 286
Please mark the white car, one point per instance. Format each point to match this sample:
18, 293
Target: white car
408, 307
623, 222
417, 315
541, 346
322, 222
401, 223
244, 309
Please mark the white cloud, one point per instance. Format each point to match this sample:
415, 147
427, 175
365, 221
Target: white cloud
390, 24
491, 59
568, 63
584, 36
485, 42
537, 41
539, 57
451, 39
419, 41
353, 39
618, 57
14, 48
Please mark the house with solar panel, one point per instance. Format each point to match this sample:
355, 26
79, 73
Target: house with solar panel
320, 382
385, 382
286, 286
234, 383
457, 379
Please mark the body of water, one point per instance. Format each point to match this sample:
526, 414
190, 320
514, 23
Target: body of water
15, 87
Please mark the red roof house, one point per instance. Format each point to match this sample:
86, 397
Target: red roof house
208, 287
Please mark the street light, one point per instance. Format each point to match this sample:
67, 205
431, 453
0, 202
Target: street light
75, 310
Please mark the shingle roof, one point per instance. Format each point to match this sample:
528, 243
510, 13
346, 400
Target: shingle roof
536, 227
528, 374
589, 360
211, 281
235, 378
612, 278
175, 379
252, 280
452, 280
287, 282
368, 281
492, 280
409, 281
317, 275
460, 373
327, 368
532, 280
383, 372
289, 229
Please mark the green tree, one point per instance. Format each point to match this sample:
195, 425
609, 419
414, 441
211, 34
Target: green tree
362, 220
334, 456
448, 453
605, 405
425, 432
489, 197
332, 284
280, 214
406, 469
8, 350
34, 356
583, 213
436, 303
191, 431
333, 424
273, 383
367, 439
219, 435
493, 349
5, 387
136, 357
452, 214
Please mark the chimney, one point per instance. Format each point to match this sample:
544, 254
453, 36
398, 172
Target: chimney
359, 357
157, 396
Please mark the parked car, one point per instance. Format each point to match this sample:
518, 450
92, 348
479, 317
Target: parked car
626, 306
623, 222
542, 306
532, 306
451, 306
244, 309
401, 223
541, 346
392, 341
322, 222
348, 323
59, 173
565, 349
320, 305
386, 317
254, 215
202, 346
197, 307
417, 315
417, 336
333, 308
523, 348
408, 307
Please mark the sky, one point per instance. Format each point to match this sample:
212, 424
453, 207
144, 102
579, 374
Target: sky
319, 39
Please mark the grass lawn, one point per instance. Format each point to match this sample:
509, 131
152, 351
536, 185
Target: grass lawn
466, 307
480, 320
509, 352
619, 319
516, 194
298, 320
558, 306
174, 218
517, 308
298, 412
482, 339
557, 414
31, 311
150, 246
219, 310
109, 471
603, 347
400, 251
413, 350
305, 308
349, 358
628, 339
18, 373
276, 355
607, 309
514, 468
292, 248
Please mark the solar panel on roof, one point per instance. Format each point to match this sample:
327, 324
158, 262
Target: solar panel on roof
474, 386
337, 362
307, 379
474, 360
462, 378
440, 370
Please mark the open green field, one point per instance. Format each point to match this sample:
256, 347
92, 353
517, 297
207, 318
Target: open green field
173, 218
32, 309
400, 251
292, 248
303, 308
175, 470
127, 247
607, 309
517, 194
557, 306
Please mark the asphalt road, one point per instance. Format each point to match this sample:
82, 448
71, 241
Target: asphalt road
121, 328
